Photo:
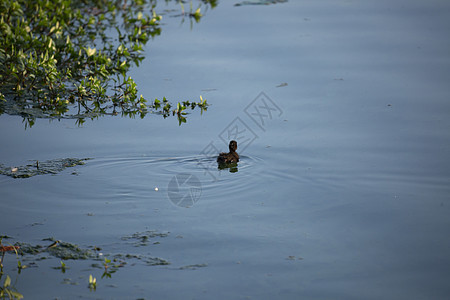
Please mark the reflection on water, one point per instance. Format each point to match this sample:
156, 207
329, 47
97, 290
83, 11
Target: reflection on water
233, 167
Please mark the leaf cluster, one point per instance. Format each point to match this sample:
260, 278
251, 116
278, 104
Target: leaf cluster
6, 290
70, 58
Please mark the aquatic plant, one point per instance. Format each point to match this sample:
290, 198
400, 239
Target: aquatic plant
71, 58
143, 238
196, 15
10, 248
41, 168
106, 265
6, 290
66, 251
92, 283
110, 267
62, 267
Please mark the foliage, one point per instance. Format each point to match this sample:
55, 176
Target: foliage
111, 267
40, 168
92, 283
62, 267
8, 292
4, 249
70, 58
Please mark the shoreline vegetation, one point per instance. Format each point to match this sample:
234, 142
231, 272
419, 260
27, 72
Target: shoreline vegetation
71, 58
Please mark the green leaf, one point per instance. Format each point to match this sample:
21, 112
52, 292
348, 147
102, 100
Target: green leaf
49, 49
7, 281
16, 294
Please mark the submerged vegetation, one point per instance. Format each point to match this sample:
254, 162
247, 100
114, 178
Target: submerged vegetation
71, 58
7, 290
40, 168
67, 253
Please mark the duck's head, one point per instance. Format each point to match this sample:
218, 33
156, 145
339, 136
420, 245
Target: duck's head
232, 146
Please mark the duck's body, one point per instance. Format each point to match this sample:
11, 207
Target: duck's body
231, 157
228, 158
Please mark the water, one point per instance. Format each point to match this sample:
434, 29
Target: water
342, 194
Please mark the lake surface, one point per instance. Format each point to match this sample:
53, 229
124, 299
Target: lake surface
342, 191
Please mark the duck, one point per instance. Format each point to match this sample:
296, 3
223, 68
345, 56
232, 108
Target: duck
231, 157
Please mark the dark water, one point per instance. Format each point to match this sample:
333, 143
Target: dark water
342, 192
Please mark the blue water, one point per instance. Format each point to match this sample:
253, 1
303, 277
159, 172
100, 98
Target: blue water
342, 192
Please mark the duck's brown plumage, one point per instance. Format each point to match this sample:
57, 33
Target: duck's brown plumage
231, 157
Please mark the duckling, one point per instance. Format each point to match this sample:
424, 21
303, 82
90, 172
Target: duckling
231, 157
